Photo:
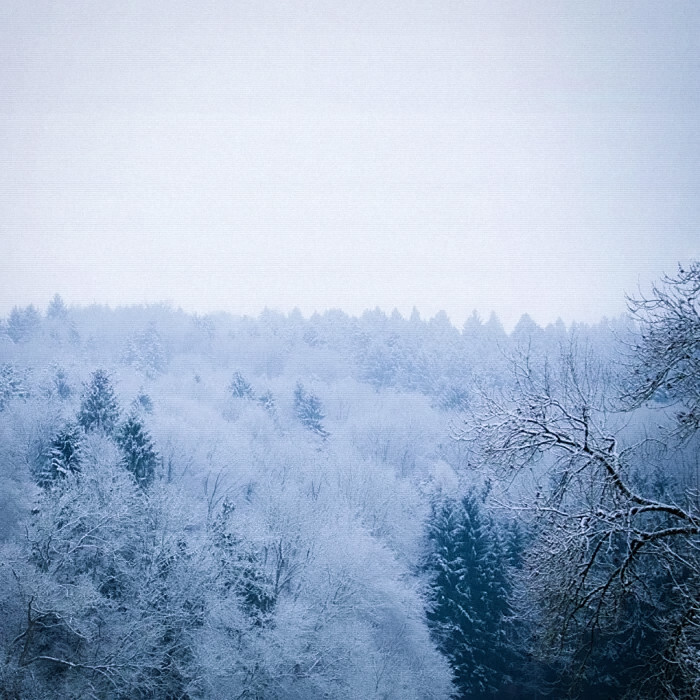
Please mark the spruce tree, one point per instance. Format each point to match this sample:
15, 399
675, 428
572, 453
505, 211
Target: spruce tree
138, 452
64, 455
309, 411
469, 596
99, 409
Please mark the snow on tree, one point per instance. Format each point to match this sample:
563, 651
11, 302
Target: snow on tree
105, 597
57, 308
64, 454
240, 387
142, 402
23, 324
12, 384
99, 409
268, 402
665, 356
309, 410
469, 595
145, 352
607, 540
61, 385
138, 451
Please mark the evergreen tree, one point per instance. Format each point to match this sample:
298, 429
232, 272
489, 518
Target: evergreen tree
56, 308
142, 402
99, 409
469, 596
145, 352
23, 324
309, 410
61, 385
240, 388
138, 452
64, 454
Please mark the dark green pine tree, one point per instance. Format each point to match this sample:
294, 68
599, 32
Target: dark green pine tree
99, 409
470, 591
64, 455
309, 411
138, 452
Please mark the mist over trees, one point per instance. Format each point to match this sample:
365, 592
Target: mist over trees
339, 507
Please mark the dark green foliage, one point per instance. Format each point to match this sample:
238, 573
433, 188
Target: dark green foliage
309, 411
99, 409
64, 455
470, 592
138, 452
240, 388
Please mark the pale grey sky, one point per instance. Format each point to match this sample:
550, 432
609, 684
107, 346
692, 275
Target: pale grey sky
523, 156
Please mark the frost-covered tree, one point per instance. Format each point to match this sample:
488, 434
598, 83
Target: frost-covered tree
102, 600
142, 402
608, 540
240, 387
665, 355
12, 384
268, 402
99, 409
309, 410
64, 454
57, 308
138, 451
469, 595
60, 385
23, 323
145, 352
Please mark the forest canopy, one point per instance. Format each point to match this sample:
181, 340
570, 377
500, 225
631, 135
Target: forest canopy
350, 507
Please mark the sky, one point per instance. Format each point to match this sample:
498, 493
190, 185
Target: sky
527, 156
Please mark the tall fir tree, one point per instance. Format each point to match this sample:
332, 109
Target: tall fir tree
470, 591
99, 409
138, 451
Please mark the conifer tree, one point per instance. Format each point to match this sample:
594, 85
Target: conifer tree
57, 308
309, 411
240, 387
138, 452
99, 409
469, 596
64, 454
23, 323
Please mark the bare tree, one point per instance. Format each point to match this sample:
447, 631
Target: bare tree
666, 354
613, 559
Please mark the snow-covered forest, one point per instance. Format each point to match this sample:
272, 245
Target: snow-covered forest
350, 507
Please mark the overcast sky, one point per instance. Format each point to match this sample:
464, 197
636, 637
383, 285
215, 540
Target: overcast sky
521, 156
